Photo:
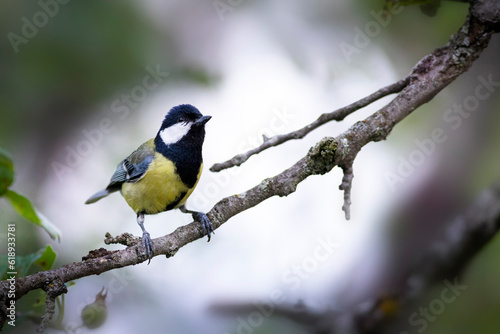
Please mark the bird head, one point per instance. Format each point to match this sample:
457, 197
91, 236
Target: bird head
183, 122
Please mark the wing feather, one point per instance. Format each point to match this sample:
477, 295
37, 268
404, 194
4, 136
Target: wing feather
133, 168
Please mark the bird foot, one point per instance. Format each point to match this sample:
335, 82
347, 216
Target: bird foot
205, 223
147, 244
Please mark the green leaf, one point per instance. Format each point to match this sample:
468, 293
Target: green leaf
44, 259
4, 267
24, 207
69, 284
40, 300
54, 232
6, 171
24, 263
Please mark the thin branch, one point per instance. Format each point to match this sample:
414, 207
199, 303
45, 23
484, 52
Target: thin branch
463, 239
299, 312
336, 115
429, 77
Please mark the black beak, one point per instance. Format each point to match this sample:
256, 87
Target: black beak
202, 120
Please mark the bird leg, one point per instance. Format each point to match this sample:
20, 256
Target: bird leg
202, 218
147, 243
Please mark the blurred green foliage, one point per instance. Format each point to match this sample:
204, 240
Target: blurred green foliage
476, 309
74, 61
20, 203
6, 171
23, 206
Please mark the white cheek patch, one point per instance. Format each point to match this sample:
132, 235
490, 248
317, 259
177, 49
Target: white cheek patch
174, 133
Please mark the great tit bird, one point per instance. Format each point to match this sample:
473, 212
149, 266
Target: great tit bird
163, 172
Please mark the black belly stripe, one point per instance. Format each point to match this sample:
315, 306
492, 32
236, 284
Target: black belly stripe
177, 200
186, 157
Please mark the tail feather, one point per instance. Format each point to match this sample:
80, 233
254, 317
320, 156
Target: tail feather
97, 196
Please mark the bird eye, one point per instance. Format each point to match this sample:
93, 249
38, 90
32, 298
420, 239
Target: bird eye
181, 120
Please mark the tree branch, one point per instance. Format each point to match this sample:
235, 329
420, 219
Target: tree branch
336, 115
429, 77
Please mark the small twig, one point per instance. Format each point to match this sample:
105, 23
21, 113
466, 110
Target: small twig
336, 115
53, 289
50, 307
126, 239
346, 186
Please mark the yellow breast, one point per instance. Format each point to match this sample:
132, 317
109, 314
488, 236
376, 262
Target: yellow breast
159, 189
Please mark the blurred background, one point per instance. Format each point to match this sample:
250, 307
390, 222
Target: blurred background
92, 80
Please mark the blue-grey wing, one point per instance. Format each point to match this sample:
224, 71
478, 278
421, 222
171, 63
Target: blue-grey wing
133, 168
